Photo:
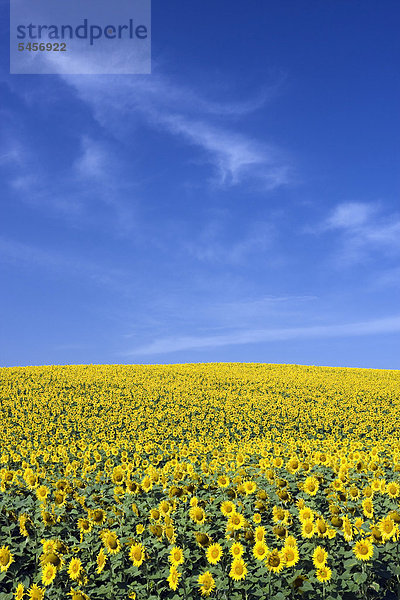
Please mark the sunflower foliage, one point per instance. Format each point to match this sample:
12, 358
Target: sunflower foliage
178, 482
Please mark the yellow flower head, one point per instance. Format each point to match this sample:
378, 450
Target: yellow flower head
137, 554
236, 550
6, 558
19, 592
74, 568
275, 561
214, 553
324, 574
307, 529
260, 550
291, 555
35, 592
249, 487
206, 583
238, 569
228, 508
320, 556
176, 556
236, 521
311, 486
101, 561
363, 549
49, 572
173, 577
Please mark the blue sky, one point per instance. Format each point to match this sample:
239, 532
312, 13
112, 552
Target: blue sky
241, 203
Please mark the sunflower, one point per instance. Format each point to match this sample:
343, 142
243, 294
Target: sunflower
97, 516
321, 527
197, 514
19, 592
101, 560
202, 539
320, 556
74, 568
35, 592
236, 521
305, 514
368, 508
42, 492
23, 521
347, 529
223, 481
48, 546
206, 583
173, 577
146, 484
376, 535
278, 514
277, 462
388, 528
259, 533
275, 561
249, 487
228, 508
6, 558
236, 550
392, 489
170, 533
311, 486
47, 518
293, 465
238, 569
257, 518
52, 558
84, 526
78, 595
59, 498
48, 574
291, 541
214, 553
260, 550
354, 492
110, 541
118, 475
139, 528
363, 549
176, 556
137, 554
291, 555
307, 529
324, 574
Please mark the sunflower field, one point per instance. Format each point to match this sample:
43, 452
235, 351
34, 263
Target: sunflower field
221, 481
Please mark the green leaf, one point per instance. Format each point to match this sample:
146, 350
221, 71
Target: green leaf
279, 596
360, 577
350, 562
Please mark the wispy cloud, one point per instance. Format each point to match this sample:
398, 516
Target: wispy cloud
28, 255
365, 231
180, 111
215, 243
91, 179
180, 343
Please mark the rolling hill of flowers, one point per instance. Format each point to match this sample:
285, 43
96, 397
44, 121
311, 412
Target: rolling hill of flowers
178, 482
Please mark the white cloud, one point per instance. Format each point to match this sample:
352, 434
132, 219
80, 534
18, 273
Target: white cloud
15, 252
254, 336
216, 243
350, 215
118, 103
365, 232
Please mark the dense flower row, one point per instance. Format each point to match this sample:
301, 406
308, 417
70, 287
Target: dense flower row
189, 481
